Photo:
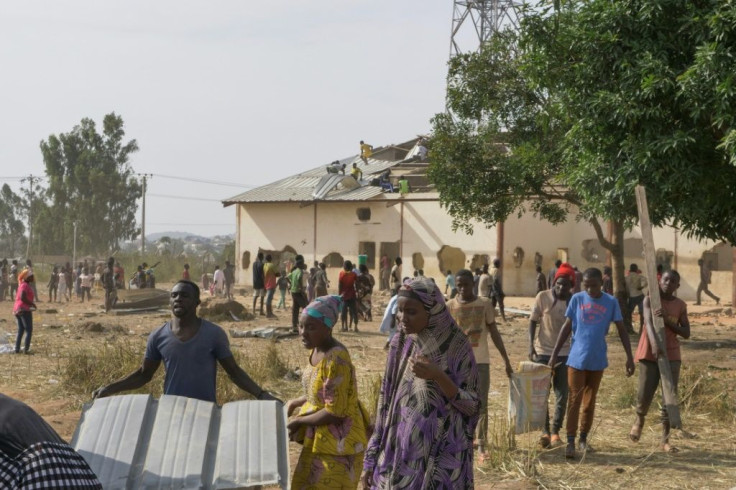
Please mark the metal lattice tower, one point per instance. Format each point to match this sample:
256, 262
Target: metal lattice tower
475, 21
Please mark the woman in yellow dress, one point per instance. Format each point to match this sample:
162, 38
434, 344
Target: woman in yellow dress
331, 423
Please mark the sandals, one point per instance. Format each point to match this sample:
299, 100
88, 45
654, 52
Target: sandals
544, 441
669, 449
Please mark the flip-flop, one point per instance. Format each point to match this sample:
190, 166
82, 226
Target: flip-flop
670, 449
635, 433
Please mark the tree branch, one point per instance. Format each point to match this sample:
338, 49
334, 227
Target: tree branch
605, 243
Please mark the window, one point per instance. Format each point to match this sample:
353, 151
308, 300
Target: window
334, 259
368, 249
364, 214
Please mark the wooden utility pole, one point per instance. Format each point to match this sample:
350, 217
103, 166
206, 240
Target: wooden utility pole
665, 373
30, 180
143, 219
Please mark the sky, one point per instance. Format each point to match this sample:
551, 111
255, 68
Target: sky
235, 92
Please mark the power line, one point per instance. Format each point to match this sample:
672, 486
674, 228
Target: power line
204, 181
191, 224
188, 198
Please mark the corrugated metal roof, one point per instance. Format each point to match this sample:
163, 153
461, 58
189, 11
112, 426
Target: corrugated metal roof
134, 441
300, 187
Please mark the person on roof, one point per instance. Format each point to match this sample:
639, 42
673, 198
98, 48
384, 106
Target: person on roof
404, 186
190, 348
356, 173
336, 167
366, 151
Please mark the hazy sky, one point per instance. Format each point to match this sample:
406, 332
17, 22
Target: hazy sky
233, 91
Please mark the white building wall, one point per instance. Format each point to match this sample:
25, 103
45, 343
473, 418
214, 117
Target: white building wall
427, 228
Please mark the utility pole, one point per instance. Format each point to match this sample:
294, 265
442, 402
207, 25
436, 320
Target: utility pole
74, 250
31, 179
143, 215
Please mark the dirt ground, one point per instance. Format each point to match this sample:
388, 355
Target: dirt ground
708, 447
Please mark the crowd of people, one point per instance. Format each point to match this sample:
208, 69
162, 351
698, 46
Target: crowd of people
65, 282
432, 412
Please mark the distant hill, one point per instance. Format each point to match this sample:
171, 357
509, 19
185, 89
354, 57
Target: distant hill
152, 237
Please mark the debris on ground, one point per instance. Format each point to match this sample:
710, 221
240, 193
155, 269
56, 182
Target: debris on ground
263, 333
221, 309
133, 311
97, 327
293, 375
141, 298
92, 327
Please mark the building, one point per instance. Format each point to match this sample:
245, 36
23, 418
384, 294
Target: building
331, 217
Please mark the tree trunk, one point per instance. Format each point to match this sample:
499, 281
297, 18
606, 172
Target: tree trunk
616, 247
619, 272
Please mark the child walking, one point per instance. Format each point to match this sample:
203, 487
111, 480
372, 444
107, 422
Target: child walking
589, 316
475, 317
674, 314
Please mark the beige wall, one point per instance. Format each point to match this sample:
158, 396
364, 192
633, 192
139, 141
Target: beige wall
534, 235
427, 228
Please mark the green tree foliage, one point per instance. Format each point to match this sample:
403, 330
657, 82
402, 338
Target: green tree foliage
586, 101
12, 228
616, 70
90, 181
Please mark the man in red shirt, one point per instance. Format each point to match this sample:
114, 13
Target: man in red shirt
346, 289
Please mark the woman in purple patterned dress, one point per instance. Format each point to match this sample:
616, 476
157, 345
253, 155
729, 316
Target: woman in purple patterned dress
428, 407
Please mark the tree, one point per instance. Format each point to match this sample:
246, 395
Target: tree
12, 228
90, 181
585, 102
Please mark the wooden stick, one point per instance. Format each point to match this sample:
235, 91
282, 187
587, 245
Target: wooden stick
668, 389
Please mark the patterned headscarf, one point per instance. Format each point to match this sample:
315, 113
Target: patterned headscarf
325, 308
425, 291
430, 340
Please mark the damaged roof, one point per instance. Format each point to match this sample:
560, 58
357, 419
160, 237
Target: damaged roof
318, 185
135, 441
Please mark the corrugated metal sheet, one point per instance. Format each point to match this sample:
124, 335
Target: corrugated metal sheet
300, 187
134, 441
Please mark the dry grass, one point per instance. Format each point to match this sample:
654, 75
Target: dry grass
708, 445
703, 393
86, 369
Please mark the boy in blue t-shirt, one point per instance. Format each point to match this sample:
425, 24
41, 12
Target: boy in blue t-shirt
589, 315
